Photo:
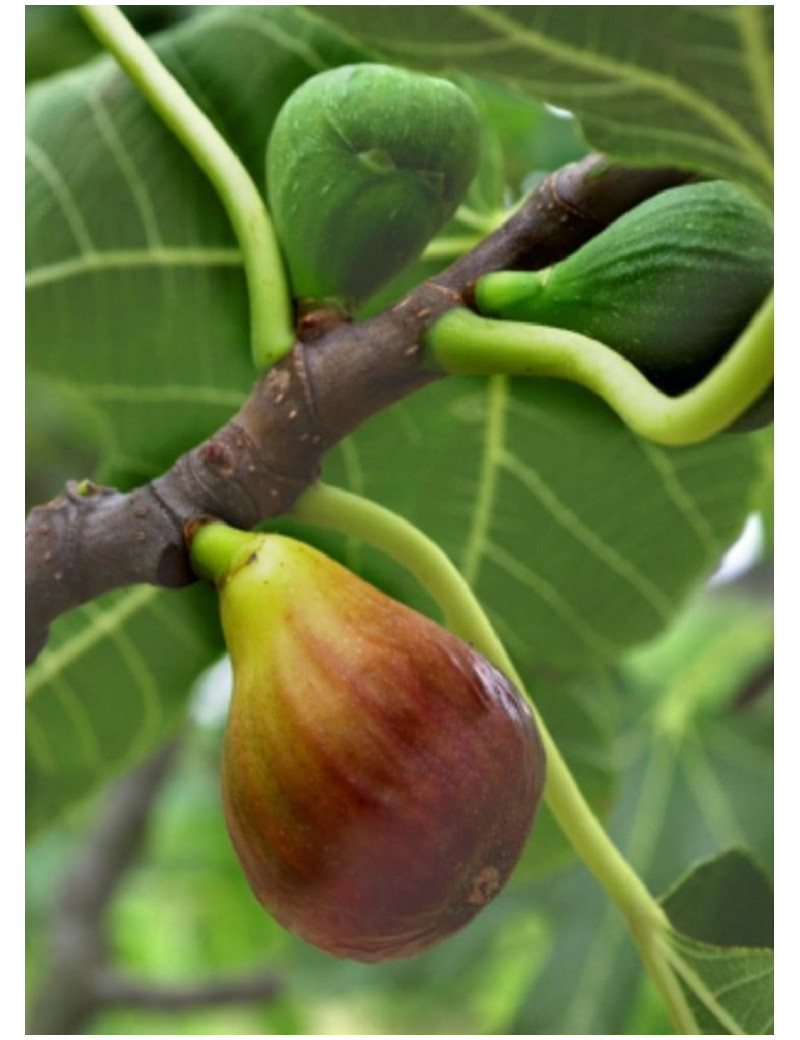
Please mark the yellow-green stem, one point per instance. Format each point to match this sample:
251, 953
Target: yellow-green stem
464, 343
271, 319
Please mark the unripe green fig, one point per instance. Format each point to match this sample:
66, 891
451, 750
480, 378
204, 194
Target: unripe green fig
670, 285
366, 164
380, 777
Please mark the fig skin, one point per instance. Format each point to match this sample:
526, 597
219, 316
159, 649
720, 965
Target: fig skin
380, 777
365, 165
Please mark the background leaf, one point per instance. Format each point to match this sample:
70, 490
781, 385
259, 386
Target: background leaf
723, 910
699, 905
683, 86
109, 687
686, 793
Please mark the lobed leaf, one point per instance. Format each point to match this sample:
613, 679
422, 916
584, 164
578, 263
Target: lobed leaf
722, 950
682, 86
685, 794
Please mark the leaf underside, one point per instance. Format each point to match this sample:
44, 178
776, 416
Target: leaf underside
683, 86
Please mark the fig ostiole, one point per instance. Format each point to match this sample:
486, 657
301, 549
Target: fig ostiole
670, 285
380, 777
366, 164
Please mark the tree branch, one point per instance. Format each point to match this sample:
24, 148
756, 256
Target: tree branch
80, 981
92, 539
78, 946
114, 990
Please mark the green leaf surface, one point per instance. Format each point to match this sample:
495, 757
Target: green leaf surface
579, 538
57, 38
699, 906
685, 795
111, 683
729, 990
686, 86
723, 911
135, 294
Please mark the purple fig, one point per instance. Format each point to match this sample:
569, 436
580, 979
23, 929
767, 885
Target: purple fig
380, 777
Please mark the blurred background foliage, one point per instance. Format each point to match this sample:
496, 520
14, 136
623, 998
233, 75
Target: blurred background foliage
674, 742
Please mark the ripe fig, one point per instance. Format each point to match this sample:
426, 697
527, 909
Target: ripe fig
380, 777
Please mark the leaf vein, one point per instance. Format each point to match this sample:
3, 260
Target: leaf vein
124, 160
677, 494
601, 550
62, 193
81, 721
484, 500
116, 259
658, 83
101, 623
143, 678
544, 590
758, 61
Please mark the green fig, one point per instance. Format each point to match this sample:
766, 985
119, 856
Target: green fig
380, 777
366, 164
670, 284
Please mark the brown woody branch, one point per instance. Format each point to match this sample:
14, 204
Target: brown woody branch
80, 980
117, 991
92, 539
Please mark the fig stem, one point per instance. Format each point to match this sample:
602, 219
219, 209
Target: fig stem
213, 548
271, 319
464, 343
350, 514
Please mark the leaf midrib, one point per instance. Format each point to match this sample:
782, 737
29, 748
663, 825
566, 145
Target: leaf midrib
96, 261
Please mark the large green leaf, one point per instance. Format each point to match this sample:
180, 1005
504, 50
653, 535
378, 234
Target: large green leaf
687, 86
723, 911
699, 906
111, 683
135, 293
689, 791
579, 538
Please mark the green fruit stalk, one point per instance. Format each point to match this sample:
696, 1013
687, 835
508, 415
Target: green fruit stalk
366, 164
380, 777
669, 285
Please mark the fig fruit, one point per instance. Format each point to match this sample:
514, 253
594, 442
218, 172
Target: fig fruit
670, 285
380, 777
366, 164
